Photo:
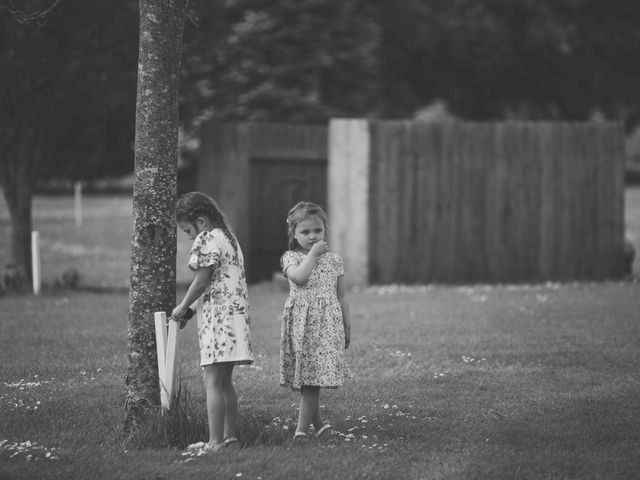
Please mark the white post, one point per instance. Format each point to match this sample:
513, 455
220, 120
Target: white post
349, 152
166, 350
170, 359
35, 262
161, 345
77, 198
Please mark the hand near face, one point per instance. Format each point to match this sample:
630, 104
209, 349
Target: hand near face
319, 248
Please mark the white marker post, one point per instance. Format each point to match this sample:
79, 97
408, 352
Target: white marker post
77, 202
166, 348
35, 262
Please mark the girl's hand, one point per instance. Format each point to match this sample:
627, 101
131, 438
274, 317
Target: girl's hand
319, 248
183, 318
178, 313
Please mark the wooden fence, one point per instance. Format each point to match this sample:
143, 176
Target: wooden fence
416, 202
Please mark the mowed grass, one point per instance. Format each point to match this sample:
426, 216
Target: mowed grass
450, 382
99, 248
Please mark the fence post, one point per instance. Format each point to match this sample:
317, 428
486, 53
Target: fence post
77, 202
35, 262
348, 192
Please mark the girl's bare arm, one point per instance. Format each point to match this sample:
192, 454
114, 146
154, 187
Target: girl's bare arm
299, 274
346, 314
197, 288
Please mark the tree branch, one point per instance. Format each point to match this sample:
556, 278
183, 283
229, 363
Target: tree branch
28, 17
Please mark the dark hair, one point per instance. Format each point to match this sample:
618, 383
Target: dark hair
297, 214
192, 205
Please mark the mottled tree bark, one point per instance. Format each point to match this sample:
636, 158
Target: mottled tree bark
153, 242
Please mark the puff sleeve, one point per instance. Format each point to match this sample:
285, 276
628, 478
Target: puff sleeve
289, 259
205, 252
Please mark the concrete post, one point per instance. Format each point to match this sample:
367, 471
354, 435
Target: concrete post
348, 192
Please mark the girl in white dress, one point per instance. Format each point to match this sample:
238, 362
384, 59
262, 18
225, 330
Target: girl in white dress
316, 328
220, 289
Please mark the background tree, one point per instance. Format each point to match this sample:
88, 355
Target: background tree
494, 59
153, 244
280, 60
64, 76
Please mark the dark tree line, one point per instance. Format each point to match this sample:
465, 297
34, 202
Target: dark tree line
564, 59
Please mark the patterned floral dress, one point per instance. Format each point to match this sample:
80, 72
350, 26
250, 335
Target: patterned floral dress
312, 335
223, 308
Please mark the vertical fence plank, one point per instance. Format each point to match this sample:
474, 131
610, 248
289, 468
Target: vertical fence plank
550, 200
616, 158
428, 144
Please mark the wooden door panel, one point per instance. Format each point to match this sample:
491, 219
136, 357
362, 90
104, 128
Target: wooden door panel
276, 185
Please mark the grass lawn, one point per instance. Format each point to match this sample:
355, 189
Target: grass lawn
458, 382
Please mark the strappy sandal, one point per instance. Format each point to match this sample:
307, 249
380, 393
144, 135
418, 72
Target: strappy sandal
300, 439
214, 448
231, 443
326, 434
326, 429
203, 448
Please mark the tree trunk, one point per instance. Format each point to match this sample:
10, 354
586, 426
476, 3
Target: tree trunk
18, 268
20, 144
153, 243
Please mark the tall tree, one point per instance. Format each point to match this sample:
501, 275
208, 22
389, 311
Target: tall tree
153, 243
63, 73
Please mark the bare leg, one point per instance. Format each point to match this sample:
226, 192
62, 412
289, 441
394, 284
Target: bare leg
214, 381
309, 407
317, 418
231, 406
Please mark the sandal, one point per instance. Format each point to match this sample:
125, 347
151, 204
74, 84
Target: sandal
202, 448
325, 428
232, 443
300, 439
326, 434
214, 448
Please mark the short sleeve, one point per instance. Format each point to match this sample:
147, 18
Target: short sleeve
339, 265
205, 252
289, 259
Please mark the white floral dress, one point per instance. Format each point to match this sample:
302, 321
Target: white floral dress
223, 308
312, 334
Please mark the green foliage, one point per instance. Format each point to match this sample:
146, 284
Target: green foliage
500, 58
281, 60
74, 69
69, 85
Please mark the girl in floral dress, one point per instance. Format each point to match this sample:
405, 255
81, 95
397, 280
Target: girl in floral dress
316, 328
220, 289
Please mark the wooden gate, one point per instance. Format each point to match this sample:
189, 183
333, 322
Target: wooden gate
276, 185
256, 172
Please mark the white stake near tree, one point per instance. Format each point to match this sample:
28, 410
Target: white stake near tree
35, 262
166, 347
